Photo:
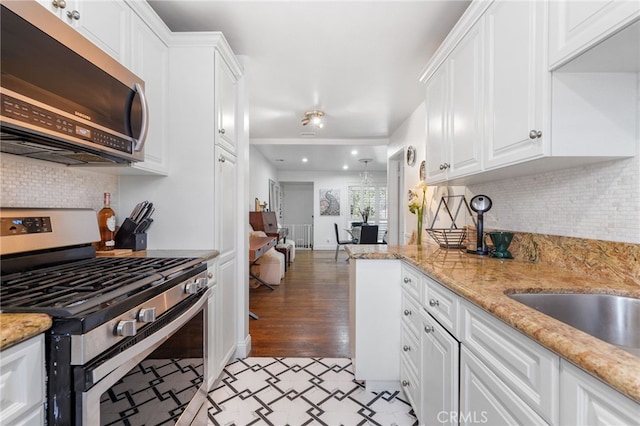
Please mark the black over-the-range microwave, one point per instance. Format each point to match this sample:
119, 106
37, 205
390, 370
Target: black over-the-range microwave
62, 98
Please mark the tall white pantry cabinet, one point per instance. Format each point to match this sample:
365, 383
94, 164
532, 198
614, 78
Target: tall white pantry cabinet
197, 201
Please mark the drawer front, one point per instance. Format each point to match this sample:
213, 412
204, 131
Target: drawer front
411, 386
410, 314
527, 368
411, 278
22, 380
443, 304
410, 348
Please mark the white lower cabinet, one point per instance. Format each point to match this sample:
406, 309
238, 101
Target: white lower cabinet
226, 312
22, 379
439, 375
584, 400
485, 399
461, 365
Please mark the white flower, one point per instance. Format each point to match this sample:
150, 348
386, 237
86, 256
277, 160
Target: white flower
417, 198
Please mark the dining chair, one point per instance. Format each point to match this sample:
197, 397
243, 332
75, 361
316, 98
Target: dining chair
369, 234
339, 242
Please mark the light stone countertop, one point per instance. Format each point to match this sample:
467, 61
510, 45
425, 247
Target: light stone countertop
14, 328
483, 281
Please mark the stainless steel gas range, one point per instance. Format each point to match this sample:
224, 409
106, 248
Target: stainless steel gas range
128, 341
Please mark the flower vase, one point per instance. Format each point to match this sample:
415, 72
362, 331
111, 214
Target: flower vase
419, 230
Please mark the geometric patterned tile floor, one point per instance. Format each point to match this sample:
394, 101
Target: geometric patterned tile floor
301, 391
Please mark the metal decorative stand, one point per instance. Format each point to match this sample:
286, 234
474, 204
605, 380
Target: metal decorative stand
453, 237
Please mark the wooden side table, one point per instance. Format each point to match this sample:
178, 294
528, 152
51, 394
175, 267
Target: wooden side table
287, 256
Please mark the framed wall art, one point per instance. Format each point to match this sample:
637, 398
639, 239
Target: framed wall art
329, 202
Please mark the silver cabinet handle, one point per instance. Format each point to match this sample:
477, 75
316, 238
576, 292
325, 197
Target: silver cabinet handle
222, 159
73, 15
533, 134
434, 302
126, 328
407, 312
406, 348
405, 383
429, 329
444, 166
59, 3
221, 131
407, 280
147, 315
210, 275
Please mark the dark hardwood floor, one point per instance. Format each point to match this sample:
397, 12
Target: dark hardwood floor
307, 315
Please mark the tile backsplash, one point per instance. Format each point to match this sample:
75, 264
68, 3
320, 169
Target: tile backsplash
599, 201
32, 183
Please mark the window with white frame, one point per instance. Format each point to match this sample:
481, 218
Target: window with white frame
369, 202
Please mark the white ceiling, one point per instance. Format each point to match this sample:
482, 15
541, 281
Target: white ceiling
358, 61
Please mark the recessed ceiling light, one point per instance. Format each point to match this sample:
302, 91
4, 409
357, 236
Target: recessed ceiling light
354, 152
305, 159
345, 167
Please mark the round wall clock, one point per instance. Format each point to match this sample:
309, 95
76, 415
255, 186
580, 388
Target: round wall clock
411, 155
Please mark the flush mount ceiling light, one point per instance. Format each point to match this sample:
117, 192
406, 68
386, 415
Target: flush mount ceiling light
314, 117
366, 175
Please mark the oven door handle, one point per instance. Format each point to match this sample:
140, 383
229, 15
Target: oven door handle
108, 373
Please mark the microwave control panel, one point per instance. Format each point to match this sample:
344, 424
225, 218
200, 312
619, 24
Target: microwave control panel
57, 123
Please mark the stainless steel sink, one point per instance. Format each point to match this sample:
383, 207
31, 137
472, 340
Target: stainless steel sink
614, 319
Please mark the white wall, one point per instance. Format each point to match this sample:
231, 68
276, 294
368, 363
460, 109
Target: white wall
323, 231
260, 173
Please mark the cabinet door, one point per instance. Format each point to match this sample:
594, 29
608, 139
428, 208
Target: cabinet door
22, 383
575, 26
150, 61
440, 355
484, 399
226, 104
226, 311
225, 202
466, 106
105, 23
436, 151
515, 74
587, 401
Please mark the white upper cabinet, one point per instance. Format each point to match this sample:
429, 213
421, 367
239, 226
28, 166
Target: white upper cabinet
575, 26
495, 111
437, 161
515, 77
104, 23
150, 61
454, 120
225, 105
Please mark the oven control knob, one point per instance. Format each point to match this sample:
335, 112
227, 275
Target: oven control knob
191, 287
147, 315
126, 328
202, 282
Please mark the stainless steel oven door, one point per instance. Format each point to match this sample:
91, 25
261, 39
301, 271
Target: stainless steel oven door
114, 371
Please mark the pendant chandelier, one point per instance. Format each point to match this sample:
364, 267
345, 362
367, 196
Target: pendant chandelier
365, 176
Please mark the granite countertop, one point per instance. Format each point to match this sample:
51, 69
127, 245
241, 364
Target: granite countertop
206, 254
484, 280
14, 328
